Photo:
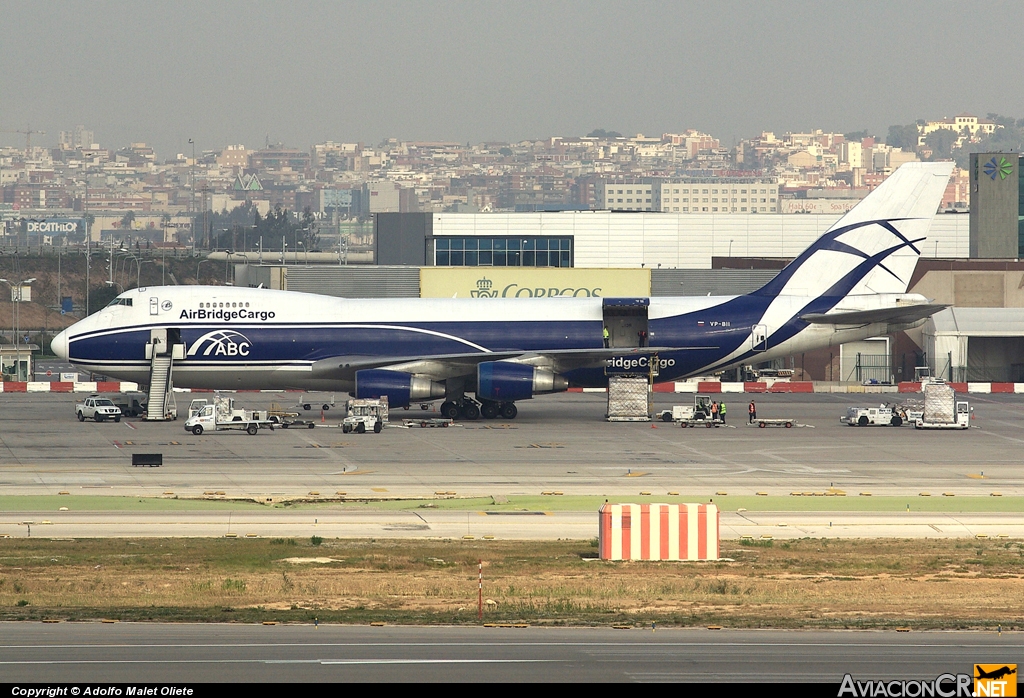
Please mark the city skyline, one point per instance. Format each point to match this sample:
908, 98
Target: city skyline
473, 72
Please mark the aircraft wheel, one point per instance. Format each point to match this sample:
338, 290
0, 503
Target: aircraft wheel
896, 421
470, 411
81, 417
490, 410
197, 430
252, 429
509, 410
862, 422
361, 428
450, 410
378, 427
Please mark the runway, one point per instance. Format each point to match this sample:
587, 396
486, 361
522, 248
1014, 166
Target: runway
558, 442
91, 652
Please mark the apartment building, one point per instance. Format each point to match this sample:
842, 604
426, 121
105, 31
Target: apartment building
625, 194
717, 195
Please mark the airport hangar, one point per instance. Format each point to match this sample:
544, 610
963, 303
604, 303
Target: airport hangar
972, 263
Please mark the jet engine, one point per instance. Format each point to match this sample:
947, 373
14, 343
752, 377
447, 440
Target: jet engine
401, 388
505, 381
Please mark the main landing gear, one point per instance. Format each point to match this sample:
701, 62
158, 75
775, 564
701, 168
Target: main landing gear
470, 410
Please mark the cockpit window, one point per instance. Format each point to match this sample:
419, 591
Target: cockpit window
120, 301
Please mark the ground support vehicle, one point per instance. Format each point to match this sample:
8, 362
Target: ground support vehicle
700, 422
941, 408
700, 410
764, 423
306, 402
132, 403
428, 422
221, 415
883, 415
366, 415
97, 408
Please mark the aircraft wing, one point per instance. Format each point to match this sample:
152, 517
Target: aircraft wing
446, 366
900, 314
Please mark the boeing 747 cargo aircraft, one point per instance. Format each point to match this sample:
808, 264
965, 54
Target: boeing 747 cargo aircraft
484, 355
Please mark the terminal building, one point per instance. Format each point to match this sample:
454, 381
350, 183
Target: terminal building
969, 262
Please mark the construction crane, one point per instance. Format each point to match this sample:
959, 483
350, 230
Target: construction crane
28, 135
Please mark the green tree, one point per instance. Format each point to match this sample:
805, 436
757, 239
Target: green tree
601, 133
127, 219
941, 142
856, 135
310, 231
904, 137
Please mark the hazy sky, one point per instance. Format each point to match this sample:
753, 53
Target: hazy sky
300, 72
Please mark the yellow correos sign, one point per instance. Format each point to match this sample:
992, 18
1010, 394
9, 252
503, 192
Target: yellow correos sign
518, 282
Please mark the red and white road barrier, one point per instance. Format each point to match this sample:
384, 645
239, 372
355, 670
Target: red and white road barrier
711, 387
67, 387
658, 532
787, 386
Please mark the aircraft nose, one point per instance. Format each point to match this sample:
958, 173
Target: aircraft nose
59, 345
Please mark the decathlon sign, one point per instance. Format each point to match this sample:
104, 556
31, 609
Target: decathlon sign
54, 226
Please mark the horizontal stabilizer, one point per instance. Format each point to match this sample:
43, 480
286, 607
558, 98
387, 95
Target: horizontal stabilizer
899, 314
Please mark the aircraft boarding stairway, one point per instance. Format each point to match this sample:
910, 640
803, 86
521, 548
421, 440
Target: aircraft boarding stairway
164, 346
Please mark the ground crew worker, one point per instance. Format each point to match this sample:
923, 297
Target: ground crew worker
721, 411
752, 411
606, 336
714, 410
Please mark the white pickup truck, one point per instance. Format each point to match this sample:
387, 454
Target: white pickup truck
98, 408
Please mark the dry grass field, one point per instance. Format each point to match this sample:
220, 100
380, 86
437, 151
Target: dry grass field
809, 583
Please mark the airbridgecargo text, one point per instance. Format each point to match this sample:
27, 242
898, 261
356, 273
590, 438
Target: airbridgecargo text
222, 314
639, 362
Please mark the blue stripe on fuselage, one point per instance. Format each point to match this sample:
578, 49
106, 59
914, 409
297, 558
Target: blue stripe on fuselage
303, 343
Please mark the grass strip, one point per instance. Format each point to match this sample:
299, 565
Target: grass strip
805, 583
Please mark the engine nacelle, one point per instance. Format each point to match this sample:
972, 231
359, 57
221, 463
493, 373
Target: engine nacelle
506, 381
401, 388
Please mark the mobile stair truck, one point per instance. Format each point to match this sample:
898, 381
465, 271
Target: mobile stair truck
221, 415
941, 408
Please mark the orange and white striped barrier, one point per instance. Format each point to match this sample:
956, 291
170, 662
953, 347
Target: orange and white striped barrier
658, 532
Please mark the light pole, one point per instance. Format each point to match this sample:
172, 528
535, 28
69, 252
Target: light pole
138, 270
120, 288
201, 263
16, 321
192, 197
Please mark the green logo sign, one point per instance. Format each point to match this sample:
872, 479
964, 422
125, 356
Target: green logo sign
1003, 168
